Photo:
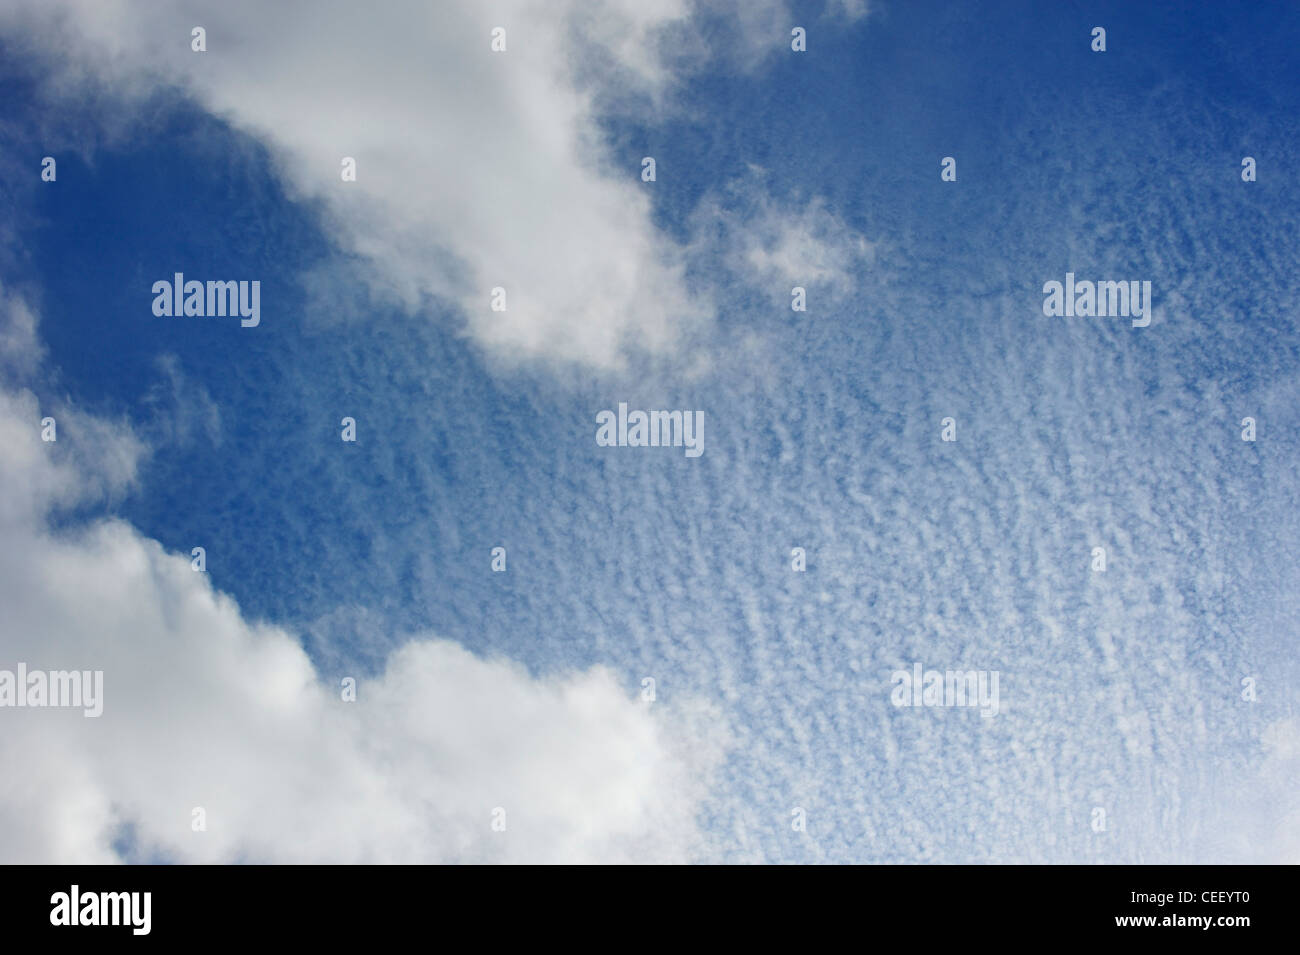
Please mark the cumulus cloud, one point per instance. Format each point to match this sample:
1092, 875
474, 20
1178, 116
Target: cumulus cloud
203, 708
475, 170
91, 458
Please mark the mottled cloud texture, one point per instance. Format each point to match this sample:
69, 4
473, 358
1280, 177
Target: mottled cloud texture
1120, 691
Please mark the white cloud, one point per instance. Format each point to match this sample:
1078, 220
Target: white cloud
812, 246
474, 169
203, 708
91, 459
181, 408
780, 243
20, 349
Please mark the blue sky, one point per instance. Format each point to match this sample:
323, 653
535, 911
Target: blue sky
1120, 690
